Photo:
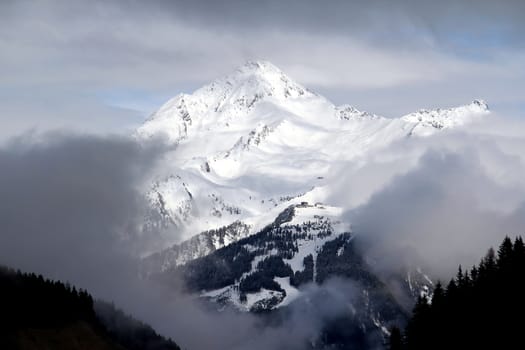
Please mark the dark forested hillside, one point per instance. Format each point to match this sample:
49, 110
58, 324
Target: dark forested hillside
480, 308
36, 313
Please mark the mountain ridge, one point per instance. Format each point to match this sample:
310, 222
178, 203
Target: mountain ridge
241, 158
237, 93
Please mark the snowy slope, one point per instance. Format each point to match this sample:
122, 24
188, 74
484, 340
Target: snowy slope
313, 227
255, 142
427, 121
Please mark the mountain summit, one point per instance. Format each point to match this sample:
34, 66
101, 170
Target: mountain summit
219, 102
261, 78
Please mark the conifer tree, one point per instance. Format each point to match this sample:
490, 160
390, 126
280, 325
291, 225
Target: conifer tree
505, 253
396, 339
480, 308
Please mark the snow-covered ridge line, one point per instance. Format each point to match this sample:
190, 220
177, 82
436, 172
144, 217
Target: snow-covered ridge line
238, 93
447, 118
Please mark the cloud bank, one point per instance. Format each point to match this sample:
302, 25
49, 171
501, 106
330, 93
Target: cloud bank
441, 201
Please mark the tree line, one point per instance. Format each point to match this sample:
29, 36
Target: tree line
480, 308
30, 302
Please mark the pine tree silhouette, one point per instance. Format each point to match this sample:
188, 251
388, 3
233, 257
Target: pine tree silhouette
396, 339
480, 308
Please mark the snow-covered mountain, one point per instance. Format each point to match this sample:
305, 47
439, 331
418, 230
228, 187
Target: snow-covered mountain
254, 142
249, 182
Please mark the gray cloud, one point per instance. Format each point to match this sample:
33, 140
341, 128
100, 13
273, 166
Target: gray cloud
363, 53
295, 328
70, 209
345, 17
73, 195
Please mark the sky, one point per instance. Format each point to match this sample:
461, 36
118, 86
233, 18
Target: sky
104, 66
71, 198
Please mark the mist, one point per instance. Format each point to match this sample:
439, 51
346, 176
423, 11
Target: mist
441, 201
71, 208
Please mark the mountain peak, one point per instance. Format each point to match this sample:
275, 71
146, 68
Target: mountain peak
259, 67
480, 104
254, 80
227, 99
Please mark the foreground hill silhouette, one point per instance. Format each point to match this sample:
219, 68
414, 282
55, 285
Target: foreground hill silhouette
38, 313
481, 308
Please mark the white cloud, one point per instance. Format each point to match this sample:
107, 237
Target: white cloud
440, 201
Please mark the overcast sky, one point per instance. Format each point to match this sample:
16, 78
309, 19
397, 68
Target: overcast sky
103, 66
